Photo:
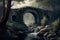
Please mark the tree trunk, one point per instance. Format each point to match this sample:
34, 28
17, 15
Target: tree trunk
5, 15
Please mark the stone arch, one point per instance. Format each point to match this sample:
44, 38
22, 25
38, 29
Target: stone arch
31, 10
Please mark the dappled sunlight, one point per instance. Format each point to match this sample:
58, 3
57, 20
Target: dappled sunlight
20, 4
30, 3
25, 3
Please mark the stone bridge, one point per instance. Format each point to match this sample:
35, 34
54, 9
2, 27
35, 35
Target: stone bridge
37, 13
16, 15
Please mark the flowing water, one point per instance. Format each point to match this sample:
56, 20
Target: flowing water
31, 36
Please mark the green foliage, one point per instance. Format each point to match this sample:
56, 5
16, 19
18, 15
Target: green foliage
49, 2
43, 21
9, 23
55, 24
